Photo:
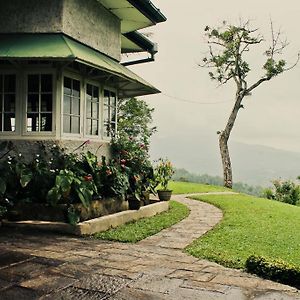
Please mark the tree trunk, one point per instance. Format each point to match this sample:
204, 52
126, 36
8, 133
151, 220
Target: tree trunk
227, 171
223, 141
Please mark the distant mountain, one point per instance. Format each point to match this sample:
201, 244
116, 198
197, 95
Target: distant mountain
252, 164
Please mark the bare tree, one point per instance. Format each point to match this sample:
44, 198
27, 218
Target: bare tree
228, 45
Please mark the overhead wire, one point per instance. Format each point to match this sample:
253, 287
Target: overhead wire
194, 102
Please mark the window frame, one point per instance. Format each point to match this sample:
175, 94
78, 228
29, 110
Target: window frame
18, 114
111, 90
100, 107
24, 93
73, 76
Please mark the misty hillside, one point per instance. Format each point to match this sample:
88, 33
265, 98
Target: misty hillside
252, 164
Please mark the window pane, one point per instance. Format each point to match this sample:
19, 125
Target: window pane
9, 122
46, 102
46, 83
106, 114
9, 103
33, 103
32, 122
113, 114
75, 106
106, 130
94, 127
67, 104
89, 91
67, 124
75, 125
95, 109
88, 109
96, 93
9, 83
88, 126
46, 122
106, 97
112, 128
33, 83
67, 86
76, 88
1, 83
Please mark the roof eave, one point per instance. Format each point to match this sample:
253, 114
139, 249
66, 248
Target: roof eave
142, 41
147, 8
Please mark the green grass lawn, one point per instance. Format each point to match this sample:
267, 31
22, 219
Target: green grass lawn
139, 230
189, 187
250, 226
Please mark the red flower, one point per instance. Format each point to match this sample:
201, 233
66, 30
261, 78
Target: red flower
88, 177
123, 161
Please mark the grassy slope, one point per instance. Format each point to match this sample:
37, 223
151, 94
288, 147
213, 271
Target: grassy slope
138, 230
250, 226
189, 187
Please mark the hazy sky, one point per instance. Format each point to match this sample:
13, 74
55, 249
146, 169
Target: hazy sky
272, 114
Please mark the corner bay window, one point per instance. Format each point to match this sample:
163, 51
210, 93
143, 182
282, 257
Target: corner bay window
39, 102
87, 109
110, 113
7, 102
71, 110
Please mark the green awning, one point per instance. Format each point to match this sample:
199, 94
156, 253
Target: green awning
61, 47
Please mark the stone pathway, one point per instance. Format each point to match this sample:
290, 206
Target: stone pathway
51, 266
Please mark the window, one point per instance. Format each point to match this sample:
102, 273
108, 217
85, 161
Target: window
7, 102
71, 110
92, 110
39, 102
110, 113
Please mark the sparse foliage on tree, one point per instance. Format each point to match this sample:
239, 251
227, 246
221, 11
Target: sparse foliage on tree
226, 60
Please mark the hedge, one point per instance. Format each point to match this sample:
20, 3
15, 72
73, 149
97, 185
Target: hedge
276, 270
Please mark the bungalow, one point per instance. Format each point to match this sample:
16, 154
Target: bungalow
60, 68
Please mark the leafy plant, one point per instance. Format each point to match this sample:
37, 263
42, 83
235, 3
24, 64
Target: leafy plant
164, 172
69, 186
113, 178
284, 191
133, 158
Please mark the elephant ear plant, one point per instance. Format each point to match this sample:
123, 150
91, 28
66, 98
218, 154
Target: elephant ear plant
163, 173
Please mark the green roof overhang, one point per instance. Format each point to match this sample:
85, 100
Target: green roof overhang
59, 47
134, 14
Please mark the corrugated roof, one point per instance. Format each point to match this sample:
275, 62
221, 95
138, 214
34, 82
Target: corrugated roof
61, 47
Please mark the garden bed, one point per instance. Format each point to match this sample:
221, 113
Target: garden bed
94, 225
44, 212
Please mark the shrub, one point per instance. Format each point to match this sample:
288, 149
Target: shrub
284, 191
276, 270
132, 156
164, 172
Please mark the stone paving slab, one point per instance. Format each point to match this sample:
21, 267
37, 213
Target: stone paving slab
52, 266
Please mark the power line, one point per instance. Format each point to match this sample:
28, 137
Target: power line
194, 102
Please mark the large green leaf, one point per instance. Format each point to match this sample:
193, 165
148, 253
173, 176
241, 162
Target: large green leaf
25, 177
53, 196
